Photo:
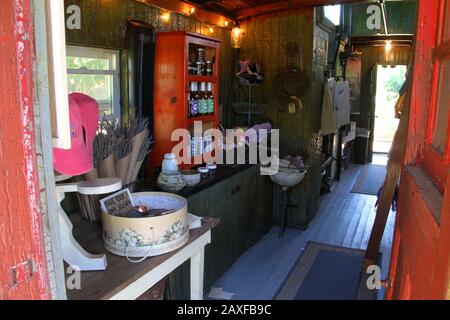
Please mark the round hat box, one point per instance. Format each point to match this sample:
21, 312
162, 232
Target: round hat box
148, 236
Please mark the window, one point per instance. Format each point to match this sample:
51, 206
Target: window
95, 72
333, 13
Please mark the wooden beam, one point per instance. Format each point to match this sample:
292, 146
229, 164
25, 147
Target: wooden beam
394, 168
396, 40
181, 7
279, 6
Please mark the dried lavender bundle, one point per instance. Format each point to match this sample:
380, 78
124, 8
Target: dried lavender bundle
137, 125
122, 147
145, 149
103, 148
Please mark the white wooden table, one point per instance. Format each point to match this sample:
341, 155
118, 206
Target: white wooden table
123, 280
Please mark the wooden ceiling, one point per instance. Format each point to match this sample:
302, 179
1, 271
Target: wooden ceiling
239, 9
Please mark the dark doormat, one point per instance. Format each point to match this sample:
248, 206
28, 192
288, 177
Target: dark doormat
326, 272
370, 179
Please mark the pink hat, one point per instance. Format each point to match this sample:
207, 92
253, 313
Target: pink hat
83, 114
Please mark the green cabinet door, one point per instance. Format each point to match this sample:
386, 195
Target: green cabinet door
243, 203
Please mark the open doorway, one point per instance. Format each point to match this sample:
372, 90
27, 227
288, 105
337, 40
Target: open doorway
389, 81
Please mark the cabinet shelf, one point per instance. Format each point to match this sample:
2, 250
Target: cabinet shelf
194, 78
208, 117
171, 93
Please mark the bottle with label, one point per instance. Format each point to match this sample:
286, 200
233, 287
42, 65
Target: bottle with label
193, 100
210, 99
202, 102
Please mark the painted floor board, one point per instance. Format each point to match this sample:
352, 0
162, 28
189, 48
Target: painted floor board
343, 219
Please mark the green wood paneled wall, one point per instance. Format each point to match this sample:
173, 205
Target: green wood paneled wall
401, 18
264, 41
103, 24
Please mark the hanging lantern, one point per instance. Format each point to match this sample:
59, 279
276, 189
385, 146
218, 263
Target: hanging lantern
236, 37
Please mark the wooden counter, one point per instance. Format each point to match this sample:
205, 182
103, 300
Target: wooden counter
239, 197
123, 279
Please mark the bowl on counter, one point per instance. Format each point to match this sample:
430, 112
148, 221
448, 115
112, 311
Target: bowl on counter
190, 177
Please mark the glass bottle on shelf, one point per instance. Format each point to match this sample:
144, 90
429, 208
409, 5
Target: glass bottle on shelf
203, 102
209, 68
201, 63
194, 100
210, 98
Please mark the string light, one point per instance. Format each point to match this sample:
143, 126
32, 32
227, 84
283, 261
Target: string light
192, 11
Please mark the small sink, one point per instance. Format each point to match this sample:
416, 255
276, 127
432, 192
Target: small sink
288, 179
287, 175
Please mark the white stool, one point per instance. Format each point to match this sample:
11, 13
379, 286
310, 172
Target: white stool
73, 253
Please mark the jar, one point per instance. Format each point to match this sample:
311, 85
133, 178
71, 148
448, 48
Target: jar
212, 167
201, 71
170, 163
192, 69
209, 68
170, 181
204, 171
201, 55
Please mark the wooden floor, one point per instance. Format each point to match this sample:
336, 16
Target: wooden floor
344, 219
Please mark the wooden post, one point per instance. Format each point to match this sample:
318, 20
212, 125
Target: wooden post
390, 184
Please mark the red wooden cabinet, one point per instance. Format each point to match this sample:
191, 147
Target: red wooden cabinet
174, 53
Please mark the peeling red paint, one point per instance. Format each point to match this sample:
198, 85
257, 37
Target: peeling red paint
21, 230
420, 263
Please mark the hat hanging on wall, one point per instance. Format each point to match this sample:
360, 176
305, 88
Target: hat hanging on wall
83, 115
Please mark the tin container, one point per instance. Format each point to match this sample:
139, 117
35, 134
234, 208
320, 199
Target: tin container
204, 171
148, 236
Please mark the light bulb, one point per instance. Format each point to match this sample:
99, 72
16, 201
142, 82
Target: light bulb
388, 46
192, 10
165, 17
225, 23
211, 29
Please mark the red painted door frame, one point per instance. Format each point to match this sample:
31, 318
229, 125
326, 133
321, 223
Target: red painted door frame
420, 261
23, 268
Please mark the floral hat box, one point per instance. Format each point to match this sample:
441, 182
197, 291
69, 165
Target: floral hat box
147, 236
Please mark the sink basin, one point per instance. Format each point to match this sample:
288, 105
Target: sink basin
288, 179
287, 175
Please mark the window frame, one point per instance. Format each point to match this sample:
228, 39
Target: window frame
100, 53
323, 21
434, 163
